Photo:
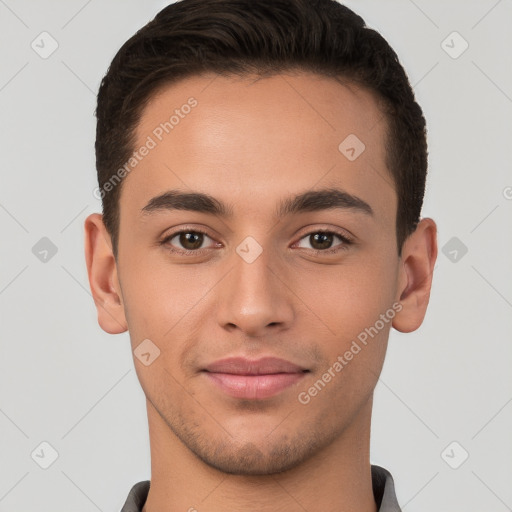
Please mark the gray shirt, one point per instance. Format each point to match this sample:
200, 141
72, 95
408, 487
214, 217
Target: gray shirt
382, 482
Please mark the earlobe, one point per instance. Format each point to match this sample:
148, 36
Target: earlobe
102, 272
419, 254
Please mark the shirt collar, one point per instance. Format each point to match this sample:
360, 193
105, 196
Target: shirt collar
382, 483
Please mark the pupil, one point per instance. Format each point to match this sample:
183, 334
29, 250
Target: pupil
191, 240
321, 240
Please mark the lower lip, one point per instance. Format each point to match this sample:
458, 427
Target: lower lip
254, 387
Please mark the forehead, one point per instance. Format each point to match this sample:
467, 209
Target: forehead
230, 136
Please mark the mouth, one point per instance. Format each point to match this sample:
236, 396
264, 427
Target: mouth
248, 379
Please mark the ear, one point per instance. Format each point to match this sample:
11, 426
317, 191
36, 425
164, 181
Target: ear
102, 271
419, 254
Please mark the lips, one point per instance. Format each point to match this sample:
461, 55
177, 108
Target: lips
253, 379
263, 366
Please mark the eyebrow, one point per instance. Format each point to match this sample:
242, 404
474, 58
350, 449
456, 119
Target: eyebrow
310, 201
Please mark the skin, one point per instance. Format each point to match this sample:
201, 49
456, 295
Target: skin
251, 143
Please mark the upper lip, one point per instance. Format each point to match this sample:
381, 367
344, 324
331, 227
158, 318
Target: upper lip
262, 366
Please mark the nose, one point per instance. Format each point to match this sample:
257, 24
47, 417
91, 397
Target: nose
255, 297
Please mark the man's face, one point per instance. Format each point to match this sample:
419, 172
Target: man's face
298, 283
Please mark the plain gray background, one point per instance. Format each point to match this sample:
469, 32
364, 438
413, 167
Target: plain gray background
445, 392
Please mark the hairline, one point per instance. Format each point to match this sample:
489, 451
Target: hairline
258, 73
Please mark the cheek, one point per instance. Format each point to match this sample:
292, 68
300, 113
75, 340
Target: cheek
350, 297
167, 304
350, 302
158, 295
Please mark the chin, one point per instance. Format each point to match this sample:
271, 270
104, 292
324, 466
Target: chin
250, 458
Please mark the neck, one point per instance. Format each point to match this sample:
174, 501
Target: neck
335, 478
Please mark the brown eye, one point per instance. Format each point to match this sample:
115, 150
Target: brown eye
186, 240
321, 241
324, 241
191, 240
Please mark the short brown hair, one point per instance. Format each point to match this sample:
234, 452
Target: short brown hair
262, 37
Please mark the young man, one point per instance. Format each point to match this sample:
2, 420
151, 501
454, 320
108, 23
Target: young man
262, 168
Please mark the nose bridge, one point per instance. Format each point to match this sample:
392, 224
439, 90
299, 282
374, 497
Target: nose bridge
254, 298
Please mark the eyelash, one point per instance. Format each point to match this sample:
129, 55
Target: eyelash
346, 242
332, 250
